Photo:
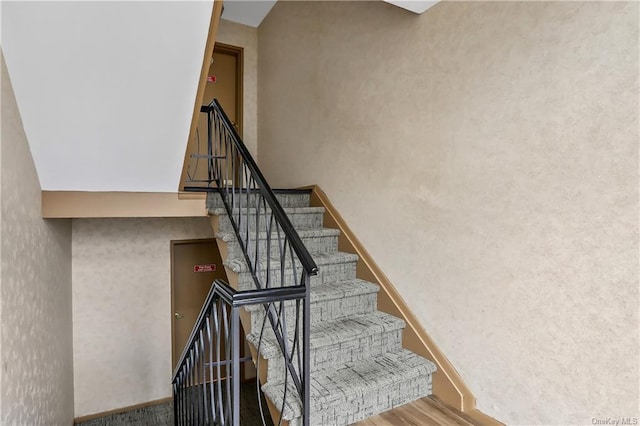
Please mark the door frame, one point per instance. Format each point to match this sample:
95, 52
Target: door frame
174, 243
229, 49
238, 52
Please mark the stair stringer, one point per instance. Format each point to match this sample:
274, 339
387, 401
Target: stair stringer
381, 387
448, 385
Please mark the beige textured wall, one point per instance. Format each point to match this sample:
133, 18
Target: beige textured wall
35, 297
246, 37
487, 156
122, 309
121, 268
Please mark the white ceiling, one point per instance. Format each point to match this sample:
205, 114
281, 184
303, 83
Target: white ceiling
247, 12
106, 89
412, 5
252, 12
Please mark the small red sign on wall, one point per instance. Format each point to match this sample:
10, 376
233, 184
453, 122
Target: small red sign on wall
212, 79
211, 267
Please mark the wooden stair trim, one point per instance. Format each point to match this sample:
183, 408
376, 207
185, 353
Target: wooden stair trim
111, 204
482, 418
448, 385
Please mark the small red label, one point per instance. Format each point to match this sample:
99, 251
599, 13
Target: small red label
211, 267
212, 79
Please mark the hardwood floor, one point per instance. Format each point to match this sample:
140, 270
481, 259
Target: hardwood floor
423, 412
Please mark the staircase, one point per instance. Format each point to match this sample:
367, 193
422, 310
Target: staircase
324, 354
358, 365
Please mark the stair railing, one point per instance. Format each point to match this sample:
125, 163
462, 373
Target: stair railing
206, 382
279, 265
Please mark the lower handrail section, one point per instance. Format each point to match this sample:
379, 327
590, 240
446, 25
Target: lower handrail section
206, 381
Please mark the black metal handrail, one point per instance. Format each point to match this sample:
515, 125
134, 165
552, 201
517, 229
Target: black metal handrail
308, 263
206, 380
279, 264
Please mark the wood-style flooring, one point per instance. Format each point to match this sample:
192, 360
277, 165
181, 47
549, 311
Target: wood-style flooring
423, 412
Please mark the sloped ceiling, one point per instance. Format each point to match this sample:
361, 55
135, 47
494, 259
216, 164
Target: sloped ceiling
413, 5
247, 12
106, 89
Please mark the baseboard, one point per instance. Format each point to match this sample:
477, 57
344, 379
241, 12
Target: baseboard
121, 410
482, 419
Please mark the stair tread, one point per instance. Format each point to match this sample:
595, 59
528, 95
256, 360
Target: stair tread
324, 334
286, 197
217, 211
239, 265
358, 365
229, 236
334, 386
333, 291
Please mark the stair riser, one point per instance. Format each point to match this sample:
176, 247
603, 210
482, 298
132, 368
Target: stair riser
359, 365
354, 391
285, 200
314, 245
327, 274
371, 403
357, 349
325, 311
307, 220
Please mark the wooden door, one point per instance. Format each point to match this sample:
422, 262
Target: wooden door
190, 283
224, 83
226, 70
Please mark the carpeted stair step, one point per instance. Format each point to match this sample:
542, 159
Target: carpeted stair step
357, 390
300, 217
333, 267
287, 198
321, 240
355, 338
358, 366
329, 302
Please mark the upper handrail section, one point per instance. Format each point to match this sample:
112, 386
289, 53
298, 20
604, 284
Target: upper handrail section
274, 258
307, 262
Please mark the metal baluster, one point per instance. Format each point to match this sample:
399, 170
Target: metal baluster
267, 309
231, 158
196, 386
295, 350
175, 406
269, 233
183, 410
217, 324
306, 335
185, 385
219, 153
188, 390
225, 320
203, 378
246, 235
194, 377
235, 365
257, 253
209, 149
